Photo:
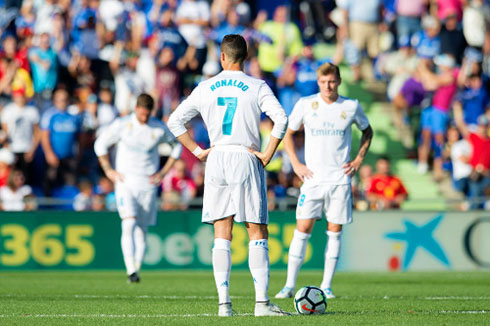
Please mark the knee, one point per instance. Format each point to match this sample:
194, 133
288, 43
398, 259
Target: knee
258, 231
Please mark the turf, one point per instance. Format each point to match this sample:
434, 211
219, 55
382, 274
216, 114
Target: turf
189, 298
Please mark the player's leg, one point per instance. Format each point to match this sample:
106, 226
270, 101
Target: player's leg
128, 225
332, 252
309, 208
146, 216
297, 250
139, 245
258, 262
222, 259
338, 210
127, 211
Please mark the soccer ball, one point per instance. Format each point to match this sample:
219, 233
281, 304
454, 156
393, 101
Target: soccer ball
310, 300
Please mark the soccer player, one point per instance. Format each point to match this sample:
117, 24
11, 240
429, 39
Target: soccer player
327, 119
231, 104
136, 175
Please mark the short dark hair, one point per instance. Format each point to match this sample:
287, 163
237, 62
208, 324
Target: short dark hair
234, 47
384, 158
146, 101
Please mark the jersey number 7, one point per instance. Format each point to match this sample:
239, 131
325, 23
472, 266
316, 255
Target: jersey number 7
230, 103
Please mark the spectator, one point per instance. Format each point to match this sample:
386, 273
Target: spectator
105, 187
167, 83
43, 60
21, 124
360, 188
427, 42
471, 101
480, 159
59, 138
98, 203
453, 41
84, 200
285, 42
460, 153
166, 34
434, 118
192, 17
129, 84
178, 188
106, 111
474, 23
408, 17
16, 195
385, 191
364, 23
7, 159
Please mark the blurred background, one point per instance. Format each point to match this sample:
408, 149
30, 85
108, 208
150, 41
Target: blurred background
420, 69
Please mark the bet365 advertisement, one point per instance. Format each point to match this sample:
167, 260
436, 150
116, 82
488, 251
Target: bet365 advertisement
376, 241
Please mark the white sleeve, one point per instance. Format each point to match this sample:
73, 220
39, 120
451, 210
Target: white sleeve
296, 116
269, 104
108, 137
204, 10
172, 141
187, 110
360, 118
35, 116
4, 115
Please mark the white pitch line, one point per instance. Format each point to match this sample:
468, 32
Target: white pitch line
465, 312
113, 316
457, 298
94, 296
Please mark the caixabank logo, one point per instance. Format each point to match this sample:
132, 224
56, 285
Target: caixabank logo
415, 237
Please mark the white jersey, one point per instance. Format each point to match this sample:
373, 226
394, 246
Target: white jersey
231, 104
14, 201
137, 145
20, 123
327, 135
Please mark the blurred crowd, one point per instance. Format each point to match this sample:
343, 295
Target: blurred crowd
68, 68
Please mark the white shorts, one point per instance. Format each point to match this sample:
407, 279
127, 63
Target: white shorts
234, 184
334, 200
136, 197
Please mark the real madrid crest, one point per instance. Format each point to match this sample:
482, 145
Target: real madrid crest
314, 105
343, 115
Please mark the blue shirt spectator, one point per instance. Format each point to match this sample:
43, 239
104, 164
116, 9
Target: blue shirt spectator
474, 100
167, 35
44, 66
426, 46
63, 131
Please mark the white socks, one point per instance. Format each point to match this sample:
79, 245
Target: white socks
297, 250
133, 244
258, 262
221, 268
139, 235
332, 252
127, 244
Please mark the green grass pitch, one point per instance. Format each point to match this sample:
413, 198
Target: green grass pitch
189, 298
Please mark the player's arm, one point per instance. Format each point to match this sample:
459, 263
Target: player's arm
299, 168
459, 119
269, 104
109, 137
187, 110
174, 156
353, 166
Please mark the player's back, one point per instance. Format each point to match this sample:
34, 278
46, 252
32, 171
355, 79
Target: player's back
230, 107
